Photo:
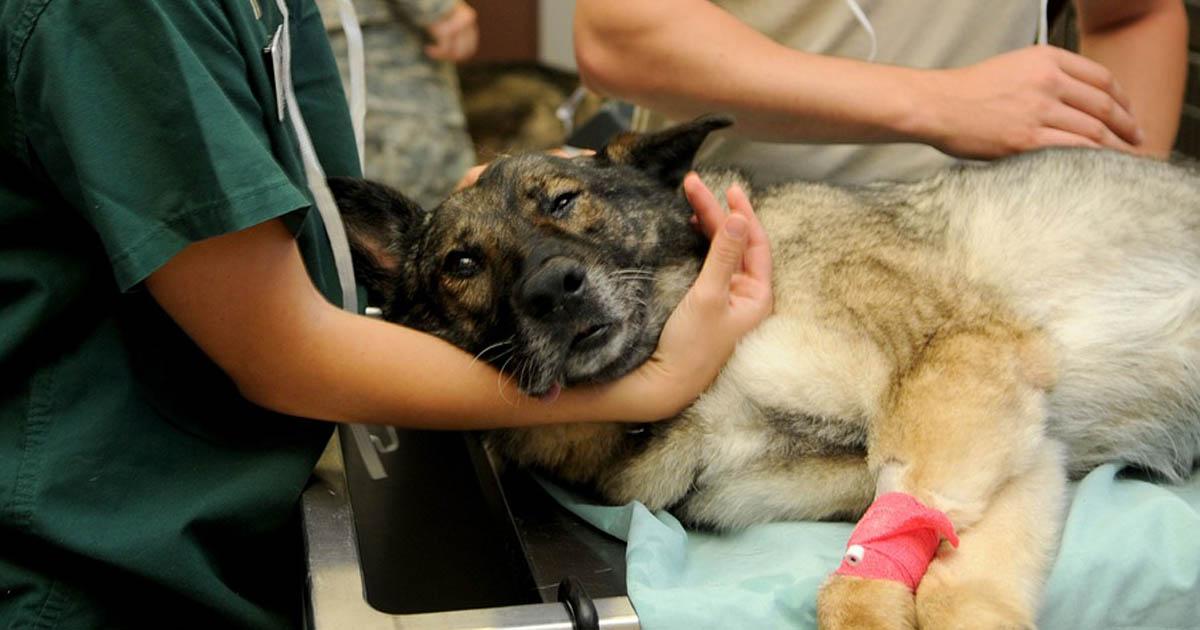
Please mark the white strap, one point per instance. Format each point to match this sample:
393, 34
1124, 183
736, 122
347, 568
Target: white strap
1043, 31
315, 175
866, 24
332, 220
358, 76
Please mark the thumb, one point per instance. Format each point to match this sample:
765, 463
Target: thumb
724, 255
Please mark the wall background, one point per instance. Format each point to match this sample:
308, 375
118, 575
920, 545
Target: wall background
525, 31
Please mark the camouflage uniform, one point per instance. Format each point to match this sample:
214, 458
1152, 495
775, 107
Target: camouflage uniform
416, 135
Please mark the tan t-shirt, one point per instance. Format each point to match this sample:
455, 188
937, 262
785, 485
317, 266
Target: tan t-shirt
914, 33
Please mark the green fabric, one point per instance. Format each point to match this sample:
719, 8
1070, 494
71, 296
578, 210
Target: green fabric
1130, 558
137, 488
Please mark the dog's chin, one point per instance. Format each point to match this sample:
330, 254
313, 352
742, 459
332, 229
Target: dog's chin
594, 351
599, 353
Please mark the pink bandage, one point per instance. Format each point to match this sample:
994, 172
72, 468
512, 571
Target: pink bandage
895, 540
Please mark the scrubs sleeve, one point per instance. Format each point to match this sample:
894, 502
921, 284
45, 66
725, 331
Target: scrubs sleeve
156, 138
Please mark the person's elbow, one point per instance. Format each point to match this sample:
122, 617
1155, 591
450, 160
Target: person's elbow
267, 388
600, 65
1097, 17
247, 302
288, 368
613, 43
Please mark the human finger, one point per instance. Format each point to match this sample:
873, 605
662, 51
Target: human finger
470, 176
573, 152
437, 50
724, 259
1092, 73
757, 258
456, 45
1101, 106
468, 42
708, 210
1084, 127
443, 33
460, 29
1050, 137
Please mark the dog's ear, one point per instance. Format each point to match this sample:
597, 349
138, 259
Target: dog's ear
666, 155
379, 220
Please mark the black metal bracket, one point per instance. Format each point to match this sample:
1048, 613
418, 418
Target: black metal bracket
581, 607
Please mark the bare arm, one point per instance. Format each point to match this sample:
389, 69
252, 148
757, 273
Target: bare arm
1144, 44
706, 60
247, 301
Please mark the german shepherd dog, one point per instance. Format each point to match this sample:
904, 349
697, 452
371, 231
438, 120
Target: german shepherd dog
973, 339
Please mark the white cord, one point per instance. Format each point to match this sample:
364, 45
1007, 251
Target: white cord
322, 197
565, 113
1043, 32
358, 76
866, 24
327, 209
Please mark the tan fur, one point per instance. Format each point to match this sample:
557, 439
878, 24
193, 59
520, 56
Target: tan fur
866, 604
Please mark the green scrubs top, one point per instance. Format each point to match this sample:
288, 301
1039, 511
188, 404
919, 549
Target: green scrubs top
137, 488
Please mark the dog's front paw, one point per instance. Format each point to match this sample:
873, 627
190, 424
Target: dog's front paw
855, 603
947, 604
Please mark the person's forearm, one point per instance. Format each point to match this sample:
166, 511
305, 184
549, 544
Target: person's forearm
354, 369
247, 301
776, 93
702, 59
1144, 44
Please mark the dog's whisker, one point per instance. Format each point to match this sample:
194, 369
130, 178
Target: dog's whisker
521, 375
500, 380
495, 345
506, 353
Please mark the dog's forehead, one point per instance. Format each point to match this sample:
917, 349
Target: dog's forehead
505, 187
523, 173
471, 216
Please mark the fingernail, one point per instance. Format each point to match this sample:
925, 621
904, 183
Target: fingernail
1140, 136
735, 226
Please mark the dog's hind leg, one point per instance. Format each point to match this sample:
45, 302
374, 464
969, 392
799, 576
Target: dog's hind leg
963, 422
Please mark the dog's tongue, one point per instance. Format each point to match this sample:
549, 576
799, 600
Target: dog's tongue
551, 394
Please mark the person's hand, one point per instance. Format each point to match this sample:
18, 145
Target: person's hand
455, 36
730, 297
1029, 98
470, 176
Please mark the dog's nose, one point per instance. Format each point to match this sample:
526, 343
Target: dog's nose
555, 287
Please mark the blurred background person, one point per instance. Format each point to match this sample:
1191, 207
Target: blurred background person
416, 134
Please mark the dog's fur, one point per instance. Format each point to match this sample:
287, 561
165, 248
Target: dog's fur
972, 339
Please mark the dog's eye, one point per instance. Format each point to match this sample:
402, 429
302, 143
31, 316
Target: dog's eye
561, 204
461, 264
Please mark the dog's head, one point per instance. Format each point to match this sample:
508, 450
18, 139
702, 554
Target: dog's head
558, 271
